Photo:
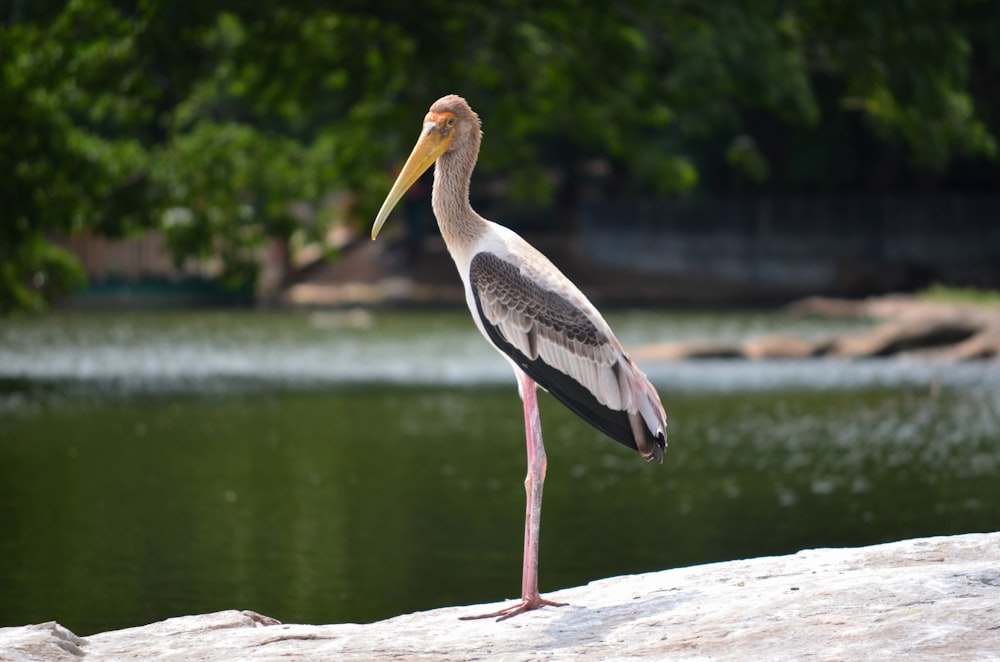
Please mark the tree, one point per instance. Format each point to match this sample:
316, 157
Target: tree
218, 122
62, 83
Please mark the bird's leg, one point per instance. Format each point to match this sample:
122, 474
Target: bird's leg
530, 597
533, 482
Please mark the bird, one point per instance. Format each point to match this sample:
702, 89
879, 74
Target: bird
547, 329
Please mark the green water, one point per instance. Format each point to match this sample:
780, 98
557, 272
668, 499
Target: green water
326, 468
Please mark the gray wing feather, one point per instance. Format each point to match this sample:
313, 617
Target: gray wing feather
542, 323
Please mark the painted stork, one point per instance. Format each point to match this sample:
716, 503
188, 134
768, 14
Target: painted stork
548, 330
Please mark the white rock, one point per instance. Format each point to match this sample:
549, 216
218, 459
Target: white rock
43, 641
930, 598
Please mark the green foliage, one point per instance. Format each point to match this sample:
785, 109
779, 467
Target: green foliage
63, 84
967, 295
229, 188
226, 123
33, 272
744, 154
906, 67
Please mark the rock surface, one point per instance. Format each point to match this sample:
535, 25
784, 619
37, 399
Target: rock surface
929, 598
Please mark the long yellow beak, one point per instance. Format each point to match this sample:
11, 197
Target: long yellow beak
433, 142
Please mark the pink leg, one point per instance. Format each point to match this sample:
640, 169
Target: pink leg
533, 482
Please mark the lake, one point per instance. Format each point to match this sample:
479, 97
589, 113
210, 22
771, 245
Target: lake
351, 466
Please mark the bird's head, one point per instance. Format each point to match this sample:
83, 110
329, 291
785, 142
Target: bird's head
450, 125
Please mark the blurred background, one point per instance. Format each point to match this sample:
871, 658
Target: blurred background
216, 392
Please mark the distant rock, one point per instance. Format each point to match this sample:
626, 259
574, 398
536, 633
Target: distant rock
690, 349
827, 307
784, 347
929, 598
907, 335
908, 325
983, 345
952, 330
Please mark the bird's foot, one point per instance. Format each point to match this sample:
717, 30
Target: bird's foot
526, 604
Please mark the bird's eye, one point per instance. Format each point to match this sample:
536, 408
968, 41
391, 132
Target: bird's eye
450, 122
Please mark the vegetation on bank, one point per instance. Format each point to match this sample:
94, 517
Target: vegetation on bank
960, 295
